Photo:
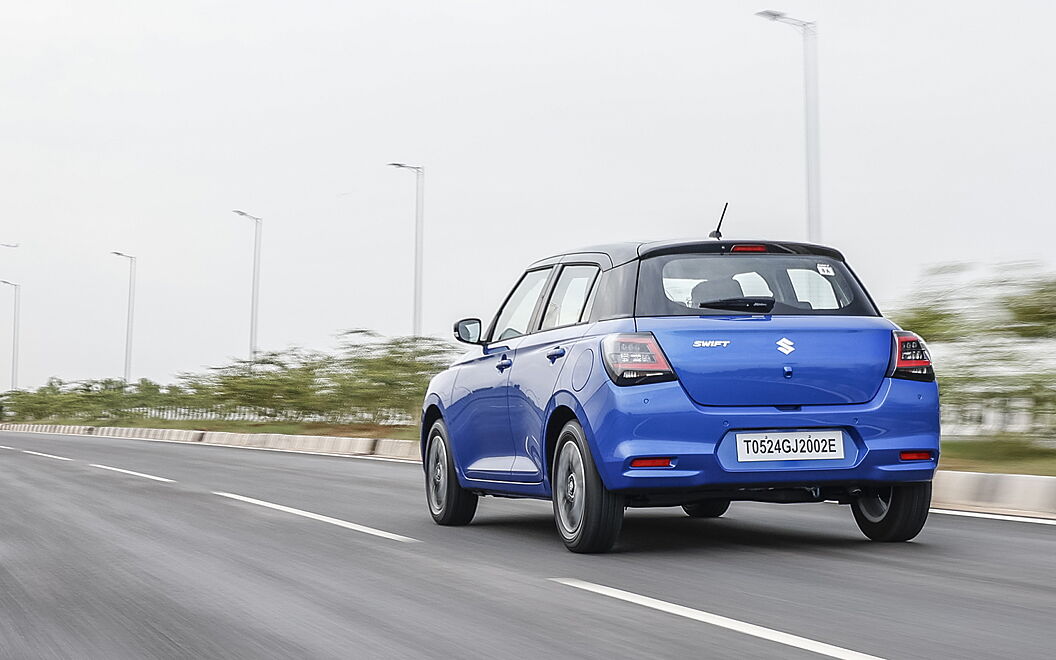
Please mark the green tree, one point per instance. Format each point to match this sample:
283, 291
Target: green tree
932, 323
1033, 311
370, 378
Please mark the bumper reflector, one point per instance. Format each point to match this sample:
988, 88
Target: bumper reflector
915, 456
650, 462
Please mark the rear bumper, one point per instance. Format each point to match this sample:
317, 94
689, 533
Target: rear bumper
660, 420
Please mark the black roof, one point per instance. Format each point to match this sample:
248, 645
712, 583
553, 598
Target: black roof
620, 253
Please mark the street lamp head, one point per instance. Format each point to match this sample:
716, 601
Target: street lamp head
782, 17
8, 283
246, 215
9, 245
405, 166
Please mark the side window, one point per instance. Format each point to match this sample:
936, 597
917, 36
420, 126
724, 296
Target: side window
585, 316
614, 298
569, 296
753, 284
812, 288
516, 314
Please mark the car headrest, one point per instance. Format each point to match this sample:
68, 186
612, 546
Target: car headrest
716, 290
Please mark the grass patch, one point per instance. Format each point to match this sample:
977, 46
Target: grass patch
232, 426
1010, 454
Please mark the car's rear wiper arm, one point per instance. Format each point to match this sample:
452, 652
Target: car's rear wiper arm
749, 303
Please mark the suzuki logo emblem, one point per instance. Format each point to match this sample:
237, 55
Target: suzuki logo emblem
786, 345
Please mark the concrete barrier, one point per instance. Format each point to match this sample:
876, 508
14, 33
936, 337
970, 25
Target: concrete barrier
1026, 494
326, 444
398, 449
365, 446
215, 438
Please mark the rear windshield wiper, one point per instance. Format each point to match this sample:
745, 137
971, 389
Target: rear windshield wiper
751, 304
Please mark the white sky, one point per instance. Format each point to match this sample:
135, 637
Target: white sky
138, 126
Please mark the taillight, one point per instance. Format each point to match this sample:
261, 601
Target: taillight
748, 248
634, 359
911, 359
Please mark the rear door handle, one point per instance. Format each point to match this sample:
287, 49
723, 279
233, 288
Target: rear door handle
503, 364
555, 353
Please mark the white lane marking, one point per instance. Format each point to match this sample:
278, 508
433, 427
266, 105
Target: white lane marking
134, 474
994, 516
11, 448
720, 621
37, 453
327, 519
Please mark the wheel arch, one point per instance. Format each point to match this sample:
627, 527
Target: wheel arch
431, 412
563, 409
562, 415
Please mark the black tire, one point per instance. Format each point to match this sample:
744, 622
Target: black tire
894, 513
588, 516
706, 509
449, 503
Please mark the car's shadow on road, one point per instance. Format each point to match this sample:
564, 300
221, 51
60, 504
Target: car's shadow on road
644, 533
671, 534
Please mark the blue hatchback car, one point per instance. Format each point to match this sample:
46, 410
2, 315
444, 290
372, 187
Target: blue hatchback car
685, 373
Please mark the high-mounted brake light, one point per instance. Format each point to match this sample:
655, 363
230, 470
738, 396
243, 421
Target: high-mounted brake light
748, 248
634, 359
911, 359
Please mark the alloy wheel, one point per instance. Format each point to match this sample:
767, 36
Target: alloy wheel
437, 474
875, 504
570, 482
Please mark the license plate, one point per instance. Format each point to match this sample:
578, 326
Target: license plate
789, 445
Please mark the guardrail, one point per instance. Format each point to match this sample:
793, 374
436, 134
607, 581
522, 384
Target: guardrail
320, 444
1021, 494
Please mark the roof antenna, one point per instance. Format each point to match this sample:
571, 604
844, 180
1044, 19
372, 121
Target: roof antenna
717, 234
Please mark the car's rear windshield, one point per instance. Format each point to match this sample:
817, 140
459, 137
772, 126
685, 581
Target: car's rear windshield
727, 284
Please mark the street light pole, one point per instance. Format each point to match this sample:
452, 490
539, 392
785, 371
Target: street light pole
809, 30
131, 313
419, 226
15, 322
14, 333
254, 304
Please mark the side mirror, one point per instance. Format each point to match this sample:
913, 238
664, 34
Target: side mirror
468, 331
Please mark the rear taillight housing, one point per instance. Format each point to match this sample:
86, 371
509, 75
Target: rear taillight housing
635, 359
911, 360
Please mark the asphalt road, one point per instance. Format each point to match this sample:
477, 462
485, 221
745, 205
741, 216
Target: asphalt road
96, 563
